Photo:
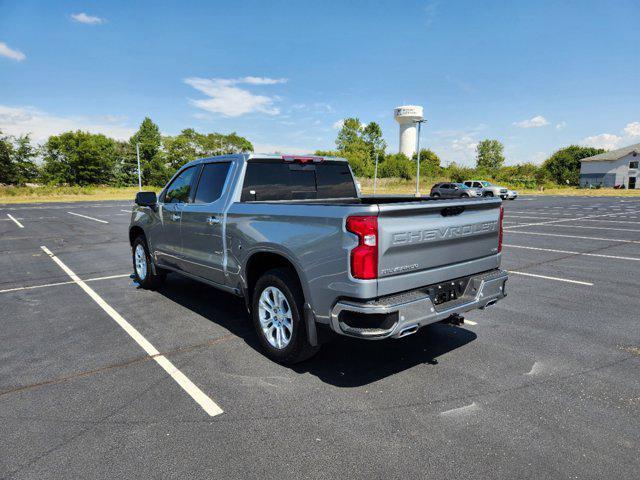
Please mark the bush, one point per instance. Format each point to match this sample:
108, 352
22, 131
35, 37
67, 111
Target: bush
396, 165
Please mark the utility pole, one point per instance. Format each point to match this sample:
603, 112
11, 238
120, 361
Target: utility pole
139, 170
419, 122
375, 175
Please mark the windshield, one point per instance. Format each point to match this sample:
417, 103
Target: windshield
462, 186
485, 184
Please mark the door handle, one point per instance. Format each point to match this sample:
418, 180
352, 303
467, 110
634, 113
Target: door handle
175, 217
213, 220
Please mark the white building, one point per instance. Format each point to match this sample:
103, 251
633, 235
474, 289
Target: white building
609, 169
406, 116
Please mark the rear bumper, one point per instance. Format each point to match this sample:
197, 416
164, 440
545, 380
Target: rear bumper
404, 313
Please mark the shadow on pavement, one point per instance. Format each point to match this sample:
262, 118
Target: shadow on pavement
343, 362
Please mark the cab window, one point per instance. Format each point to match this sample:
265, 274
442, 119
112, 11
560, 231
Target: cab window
179, 190
211, 182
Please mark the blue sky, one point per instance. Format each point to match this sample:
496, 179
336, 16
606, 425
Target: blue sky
535, 75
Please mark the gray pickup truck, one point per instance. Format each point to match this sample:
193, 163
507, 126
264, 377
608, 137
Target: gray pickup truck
309, 254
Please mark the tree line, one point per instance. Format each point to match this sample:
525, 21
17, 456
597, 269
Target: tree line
362, 143
83, 158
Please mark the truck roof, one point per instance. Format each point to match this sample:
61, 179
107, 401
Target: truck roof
261, 156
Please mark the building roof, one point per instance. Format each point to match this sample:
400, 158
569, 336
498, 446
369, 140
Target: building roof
614, 154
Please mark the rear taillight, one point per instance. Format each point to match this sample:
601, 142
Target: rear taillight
500, 231
364, 257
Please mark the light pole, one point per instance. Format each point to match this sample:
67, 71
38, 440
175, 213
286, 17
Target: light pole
419, 122
375, 175
139, 171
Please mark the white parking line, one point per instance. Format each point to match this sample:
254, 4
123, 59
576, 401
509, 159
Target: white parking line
570, 252
573, 236
588, 284
125, 211
595, 228
31, 287
90, 218
563, 220
180, 378
15, 221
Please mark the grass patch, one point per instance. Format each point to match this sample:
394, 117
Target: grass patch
12, 194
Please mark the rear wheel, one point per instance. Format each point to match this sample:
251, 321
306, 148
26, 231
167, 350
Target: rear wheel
142, 268
436, 195
277, 308
464, 195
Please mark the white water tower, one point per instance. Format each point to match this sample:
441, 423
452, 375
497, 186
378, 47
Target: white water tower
406, 116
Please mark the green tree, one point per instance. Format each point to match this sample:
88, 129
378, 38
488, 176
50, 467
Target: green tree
372, 137
79, 158
359, 144
125, 169
564, 165
397, 165
25, 166
7, 175
189, 145
429, 163
17, 154
489, 155
152, 161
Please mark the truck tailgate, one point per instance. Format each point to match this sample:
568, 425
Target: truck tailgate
435, 241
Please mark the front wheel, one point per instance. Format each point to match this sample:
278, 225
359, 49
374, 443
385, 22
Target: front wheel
142, 268
488, 194
277, 308
464, 195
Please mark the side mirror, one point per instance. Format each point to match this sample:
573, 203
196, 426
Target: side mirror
146, 199
456, 188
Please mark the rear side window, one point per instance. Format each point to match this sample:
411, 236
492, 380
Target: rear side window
266, 181
211, 182
180, 189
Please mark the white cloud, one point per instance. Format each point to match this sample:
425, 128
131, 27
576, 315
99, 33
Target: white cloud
87, 19
261, 80
22, 120
464, 144
632, 129
607, 141
561, 125
13, 54
226, 98
337, 125
535, 122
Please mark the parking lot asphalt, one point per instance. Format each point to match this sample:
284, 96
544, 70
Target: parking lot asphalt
544, 384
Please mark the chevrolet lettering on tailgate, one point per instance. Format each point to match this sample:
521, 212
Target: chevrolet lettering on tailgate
443, 233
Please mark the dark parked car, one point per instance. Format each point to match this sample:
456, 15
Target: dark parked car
454, 190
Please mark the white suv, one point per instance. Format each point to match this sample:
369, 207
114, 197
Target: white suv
488, 189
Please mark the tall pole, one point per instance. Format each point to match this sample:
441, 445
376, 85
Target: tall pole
375, 175
139, 170
419, 122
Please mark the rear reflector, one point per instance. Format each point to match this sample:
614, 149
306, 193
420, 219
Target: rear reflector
500, 231
364, 257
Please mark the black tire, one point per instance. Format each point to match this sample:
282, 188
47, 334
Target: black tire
464, 195
298, 348
151, 280
488, 194
436, 195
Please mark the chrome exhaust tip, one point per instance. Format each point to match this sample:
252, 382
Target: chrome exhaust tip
490, 303
408, 330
